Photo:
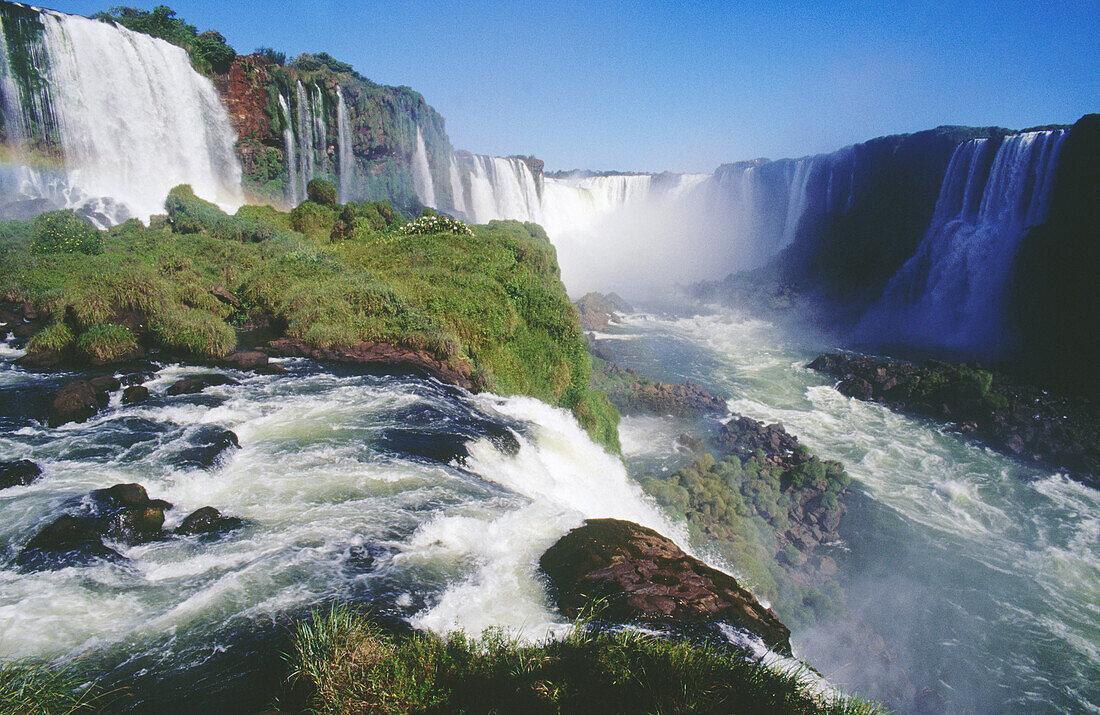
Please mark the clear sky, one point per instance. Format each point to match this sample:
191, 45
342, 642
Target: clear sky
685, 86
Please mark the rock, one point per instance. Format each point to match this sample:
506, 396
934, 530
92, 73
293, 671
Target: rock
135, 394
105, 383
271, 368
244, 360
209, 446
18, 473
856, 387
224, 295
208, 520
120, 495
645, 577
67, 541
633, 393
136, 524
192, 385
597, 310
75, 402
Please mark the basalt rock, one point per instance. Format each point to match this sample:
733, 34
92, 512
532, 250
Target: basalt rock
1022, 421
136, 524
209, 445
75, 402
18, 473
644, 577
193, 385
135, 394
633, 393
244, 360
207, 520
67, 541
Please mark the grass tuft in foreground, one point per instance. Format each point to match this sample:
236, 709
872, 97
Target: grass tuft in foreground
341, 662
39, 689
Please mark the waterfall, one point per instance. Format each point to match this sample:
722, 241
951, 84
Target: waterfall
305, 139
345, 148
292, 196
320, 129
126, 115
422, 173
951, 292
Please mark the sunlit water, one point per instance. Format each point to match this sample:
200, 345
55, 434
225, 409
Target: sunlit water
981, 576
429, 504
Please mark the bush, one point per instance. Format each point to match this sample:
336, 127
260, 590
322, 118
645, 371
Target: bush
107, 343
434, 223
313, 219
321, 192
65, 232
210, 48
188, 213
56, 336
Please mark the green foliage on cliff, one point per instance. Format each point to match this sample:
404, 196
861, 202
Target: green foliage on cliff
485, 301
208, 50
340, 662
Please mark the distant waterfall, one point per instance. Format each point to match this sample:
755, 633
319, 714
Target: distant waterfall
422, 173
292, 195
125, 115
951, 292
345, 148
306, 163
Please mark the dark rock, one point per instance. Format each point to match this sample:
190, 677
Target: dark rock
244, 360
645, 577
67, 541
136, 378
135, 524
208, 520
209, 446
271, 368
18, 473
856, 387
224, 295
135, 394
120, 495
192, 385
45, 360
105, 383
633, 393
75, 402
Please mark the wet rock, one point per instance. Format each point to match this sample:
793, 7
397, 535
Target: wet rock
645, 577
136, 524
120, 495
105, 383
67, 541
210, 443
18, 473
633, 393
75, 402
597, 310
193, 385
244, 360
224, 295
208, 520
271, 368
135, 394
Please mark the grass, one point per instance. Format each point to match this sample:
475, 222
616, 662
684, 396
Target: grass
341, 662
38, 689
487, 299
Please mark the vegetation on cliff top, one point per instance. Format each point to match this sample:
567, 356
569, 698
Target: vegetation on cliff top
341, 662
487, 301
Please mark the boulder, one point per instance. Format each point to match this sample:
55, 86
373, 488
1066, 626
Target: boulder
209, 445
134, 394
192, 385
244, 360
18, 473
207, 520
644, 577
67, 541
75, 402
120, 495
105, 383
136, 524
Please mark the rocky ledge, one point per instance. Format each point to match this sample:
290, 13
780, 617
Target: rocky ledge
1022, 421
633, 393
368, 353
597, 311
643, 577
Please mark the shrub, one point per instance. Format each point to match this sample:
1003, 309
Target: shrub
434, 223
188, 213
313, 219
210, 48
55, 336
321, 192
65, 232
107, 343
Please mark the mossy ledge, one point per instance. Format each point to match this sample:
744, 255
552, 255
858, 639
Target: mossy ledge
482, 307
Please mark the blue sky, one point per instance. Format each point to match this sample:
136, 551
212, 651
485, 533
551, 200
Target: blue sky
687, 86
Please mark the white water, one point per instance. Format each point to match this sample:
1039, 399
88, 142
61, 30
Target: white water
981, 575
345, 148
422, 173
306, 163
133, 120
292, 195
951, 293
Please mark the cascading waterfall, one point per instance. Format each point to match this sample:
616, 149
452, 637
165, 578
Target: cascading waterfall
320, 129
951, 292
292, 182
305, 139
345, 147
127, 115
422, 173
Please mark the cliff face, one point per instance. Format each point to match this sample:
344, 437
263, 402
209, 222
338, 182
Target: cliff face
320, 119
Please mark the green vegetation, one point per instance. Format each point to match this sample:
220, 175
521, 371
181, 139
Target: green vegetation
342, 663
65, 232
485, 301
321, 192
208, 50
745, 507
35, 689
